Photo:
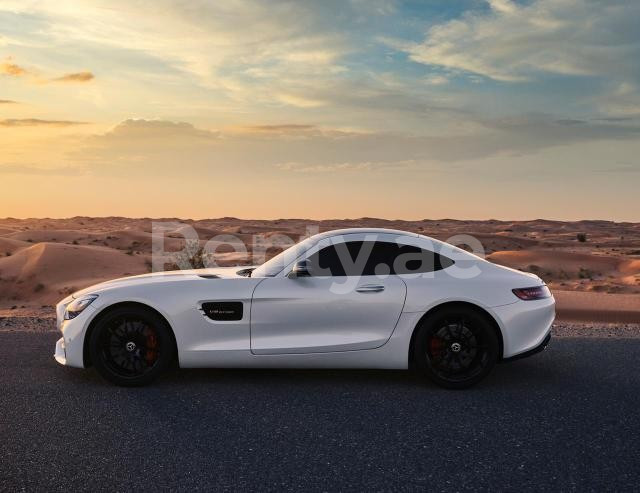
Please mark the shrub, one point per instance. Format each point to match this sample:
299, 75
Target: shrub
199, 259
193, 256
584, 273
74, 242
582, 237
39, 287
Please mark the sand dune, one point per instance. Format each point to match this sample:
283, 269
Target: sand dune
502, 241
630, 267
597, 307
596, 277
10, 246
558, 264
566, 270
46, 271
52, 235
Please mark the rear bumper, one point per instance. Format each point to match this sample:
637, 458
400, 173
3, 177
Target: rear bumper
525, 325
541, 347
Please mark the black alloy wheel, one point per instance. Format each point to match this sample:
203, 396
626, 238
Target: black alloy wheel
131, 346
456, 348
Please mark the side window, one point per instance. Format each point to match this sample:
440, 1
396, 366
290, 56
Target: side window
335, 260
414, 260
367, 258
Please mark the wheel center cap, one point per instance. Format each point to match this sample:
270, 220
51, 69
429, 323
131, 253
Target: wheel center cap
456, 347
131, 346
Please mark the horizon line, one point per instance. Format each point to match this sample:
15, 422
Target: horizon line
221, 218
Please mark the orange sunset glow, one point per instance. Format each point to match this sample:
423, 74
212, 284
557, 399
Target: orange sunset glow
283, 110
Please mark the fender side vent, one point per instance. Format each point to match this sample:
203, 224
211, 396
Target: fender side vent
223, 310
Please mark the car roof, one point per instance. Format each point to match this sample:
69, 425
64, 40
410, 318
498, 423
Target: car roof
396, 232
346, 231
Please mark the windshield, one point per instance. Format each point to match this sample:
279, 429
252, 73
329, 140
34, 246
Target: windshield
274, 266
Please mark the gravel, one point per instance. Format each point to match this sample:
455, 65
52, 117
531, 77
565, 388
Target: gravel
620, 331
27, 324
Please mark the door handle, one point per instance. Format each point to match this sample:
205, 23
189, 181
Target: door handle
370, 288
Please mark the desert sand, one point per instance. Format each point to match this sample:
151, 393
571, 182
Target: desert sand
593, 267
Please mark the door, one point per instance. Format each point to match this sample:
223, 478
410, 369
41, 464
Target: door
336, 311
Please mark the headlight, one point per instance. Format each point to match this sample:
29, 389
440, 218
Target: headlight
77, 306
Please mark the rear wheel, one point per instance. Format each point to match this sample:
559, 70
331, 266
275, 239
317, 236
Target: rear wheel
131, 346
456, 347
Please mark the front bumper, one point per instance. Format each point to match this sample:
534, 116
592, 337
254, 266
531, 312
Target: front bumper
60, 354
70, 347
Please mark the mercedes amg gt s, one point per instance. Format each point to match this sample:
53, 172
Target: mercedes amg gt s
353, 298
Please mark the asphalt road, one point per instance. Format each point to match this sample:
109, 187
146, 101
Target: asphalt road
566, 419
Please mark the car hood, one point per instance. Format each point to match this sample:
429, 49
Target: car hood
175, 275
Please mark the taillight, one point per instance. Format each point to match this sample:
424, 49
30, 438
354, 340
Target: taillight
535, 293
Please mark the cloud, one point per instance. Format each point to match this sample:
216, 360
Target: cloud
285, 127
8, 101
299, 100
75, 77
285, 131
146, 142
259, 59
436, 80
36, 122
11, 69
8, 68
323, 168
223, 46
619, 168
407, 164
251, 57
139, 147
622, 101
514, 42
166, 148
504, 6
20, 169
140, 129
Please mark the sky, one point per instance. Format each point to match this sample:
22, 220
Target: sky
322, 109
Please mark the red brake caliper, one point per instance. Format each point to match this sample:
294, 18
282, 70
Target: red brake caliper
152, 344
435, 346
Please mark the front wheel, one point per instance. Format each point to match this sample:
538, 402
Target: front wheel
456, 347
131, 346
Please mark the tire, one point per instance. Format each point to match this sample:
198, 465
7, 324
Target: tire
456, 347
131, 346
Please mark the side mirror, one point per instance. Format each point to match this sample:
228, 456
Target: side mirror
300, 269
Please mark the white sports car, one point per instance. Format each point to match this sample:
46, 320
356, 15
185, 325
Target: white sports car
353, 298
